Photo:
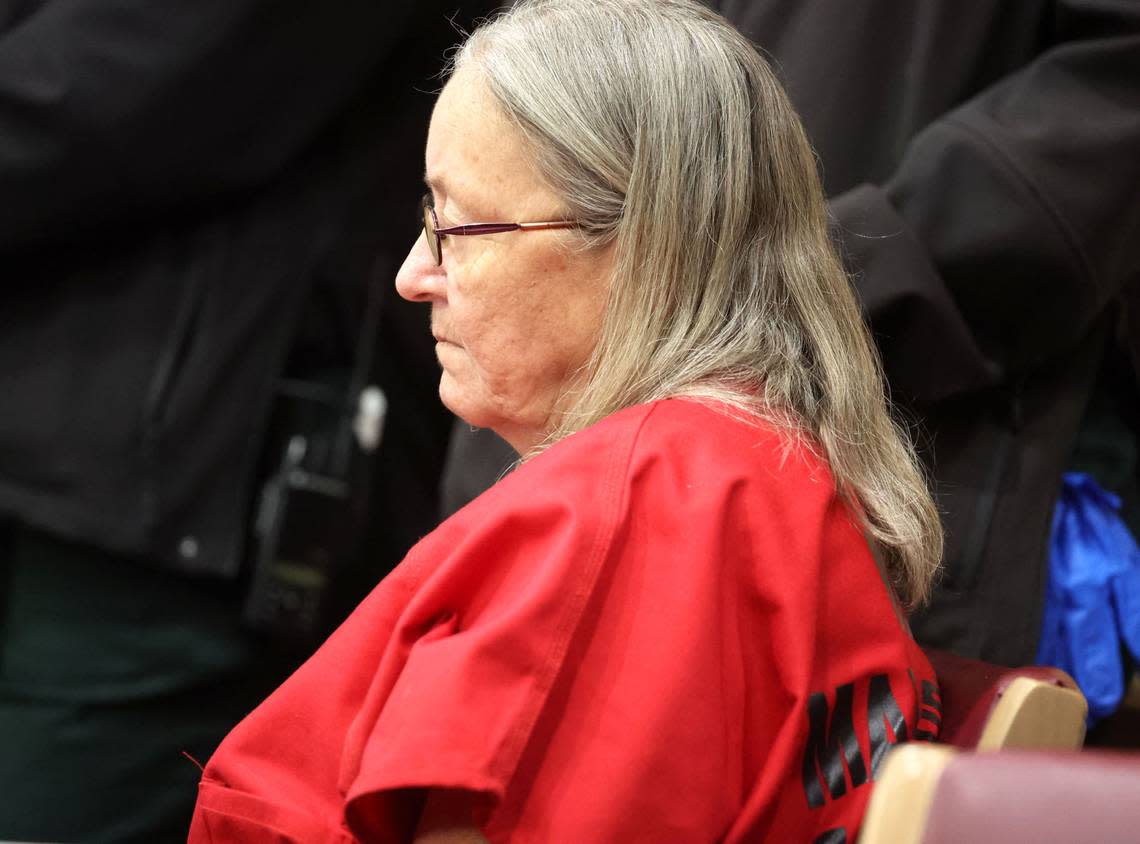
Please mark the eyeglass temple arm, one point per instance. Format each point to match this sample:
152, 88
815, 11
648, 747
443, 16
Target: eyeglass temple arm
554, 224
496, 228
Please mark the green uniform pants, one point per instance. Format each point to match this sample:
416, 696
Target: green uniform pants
109, 671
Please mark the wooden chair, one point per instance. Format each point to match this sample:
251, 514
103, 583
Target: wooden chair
985, 707
934, 794
990, 707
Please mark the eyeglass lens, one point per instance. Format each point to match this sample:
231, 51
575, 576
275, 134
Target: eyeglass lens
429, 232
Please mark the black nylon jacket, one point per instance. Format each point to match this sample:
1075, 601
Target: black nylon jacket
173, 177
983, 164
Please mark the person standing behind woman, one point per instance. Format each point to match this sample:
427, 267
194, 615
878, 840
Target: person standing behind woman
192, 197
668, 624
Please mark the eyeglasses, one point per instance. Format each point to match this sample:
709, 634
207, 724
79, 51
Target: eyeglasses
435, 234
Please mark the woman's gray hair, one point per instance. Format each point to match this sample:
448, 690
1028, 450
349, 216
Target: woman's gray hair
669, 137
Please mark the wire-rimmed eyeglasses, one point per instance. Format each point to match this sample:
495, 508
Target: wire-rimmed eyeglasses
435, 235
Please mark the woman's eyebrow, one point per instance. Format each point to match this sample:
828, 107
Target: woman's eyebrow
438, 186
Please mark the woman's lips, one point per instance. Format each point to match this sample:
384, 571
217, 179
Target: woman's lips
442, 343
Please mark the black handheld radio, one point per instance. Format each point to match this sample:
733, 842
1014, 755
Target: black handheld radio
307, 514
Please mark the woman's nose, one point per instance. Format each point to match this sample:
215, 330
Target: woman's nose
419, 279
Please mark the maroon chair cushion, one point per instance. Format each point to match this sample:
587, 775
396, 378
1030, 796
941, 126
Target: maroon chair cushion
970, 688
1021, 796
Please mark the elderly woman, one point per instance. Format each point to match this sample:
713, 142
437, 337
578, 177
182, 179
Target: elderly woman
668, 624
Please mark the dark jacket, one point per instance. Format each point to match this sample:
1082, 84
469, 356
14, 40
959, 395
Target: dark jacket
983, 161
174, 179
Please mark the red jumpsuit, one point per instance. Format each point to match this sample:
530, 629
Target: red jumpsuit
666, 628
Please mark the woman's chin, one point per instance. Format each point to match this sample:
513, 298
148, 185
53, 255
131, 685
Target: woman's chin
479, 414
463, 405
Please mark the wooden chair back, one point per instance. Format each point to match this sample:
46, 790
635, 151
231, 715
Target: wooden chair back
991, 707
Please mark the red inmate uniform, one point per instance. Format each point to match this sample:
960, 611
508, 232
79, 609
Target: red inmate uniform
665, 628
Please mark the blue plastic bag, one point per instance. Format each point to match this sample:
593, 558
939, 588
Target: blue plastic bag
1092, 603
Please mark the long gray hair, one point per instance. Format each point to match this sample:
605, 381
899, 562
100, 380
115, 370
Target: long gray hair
668, 136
